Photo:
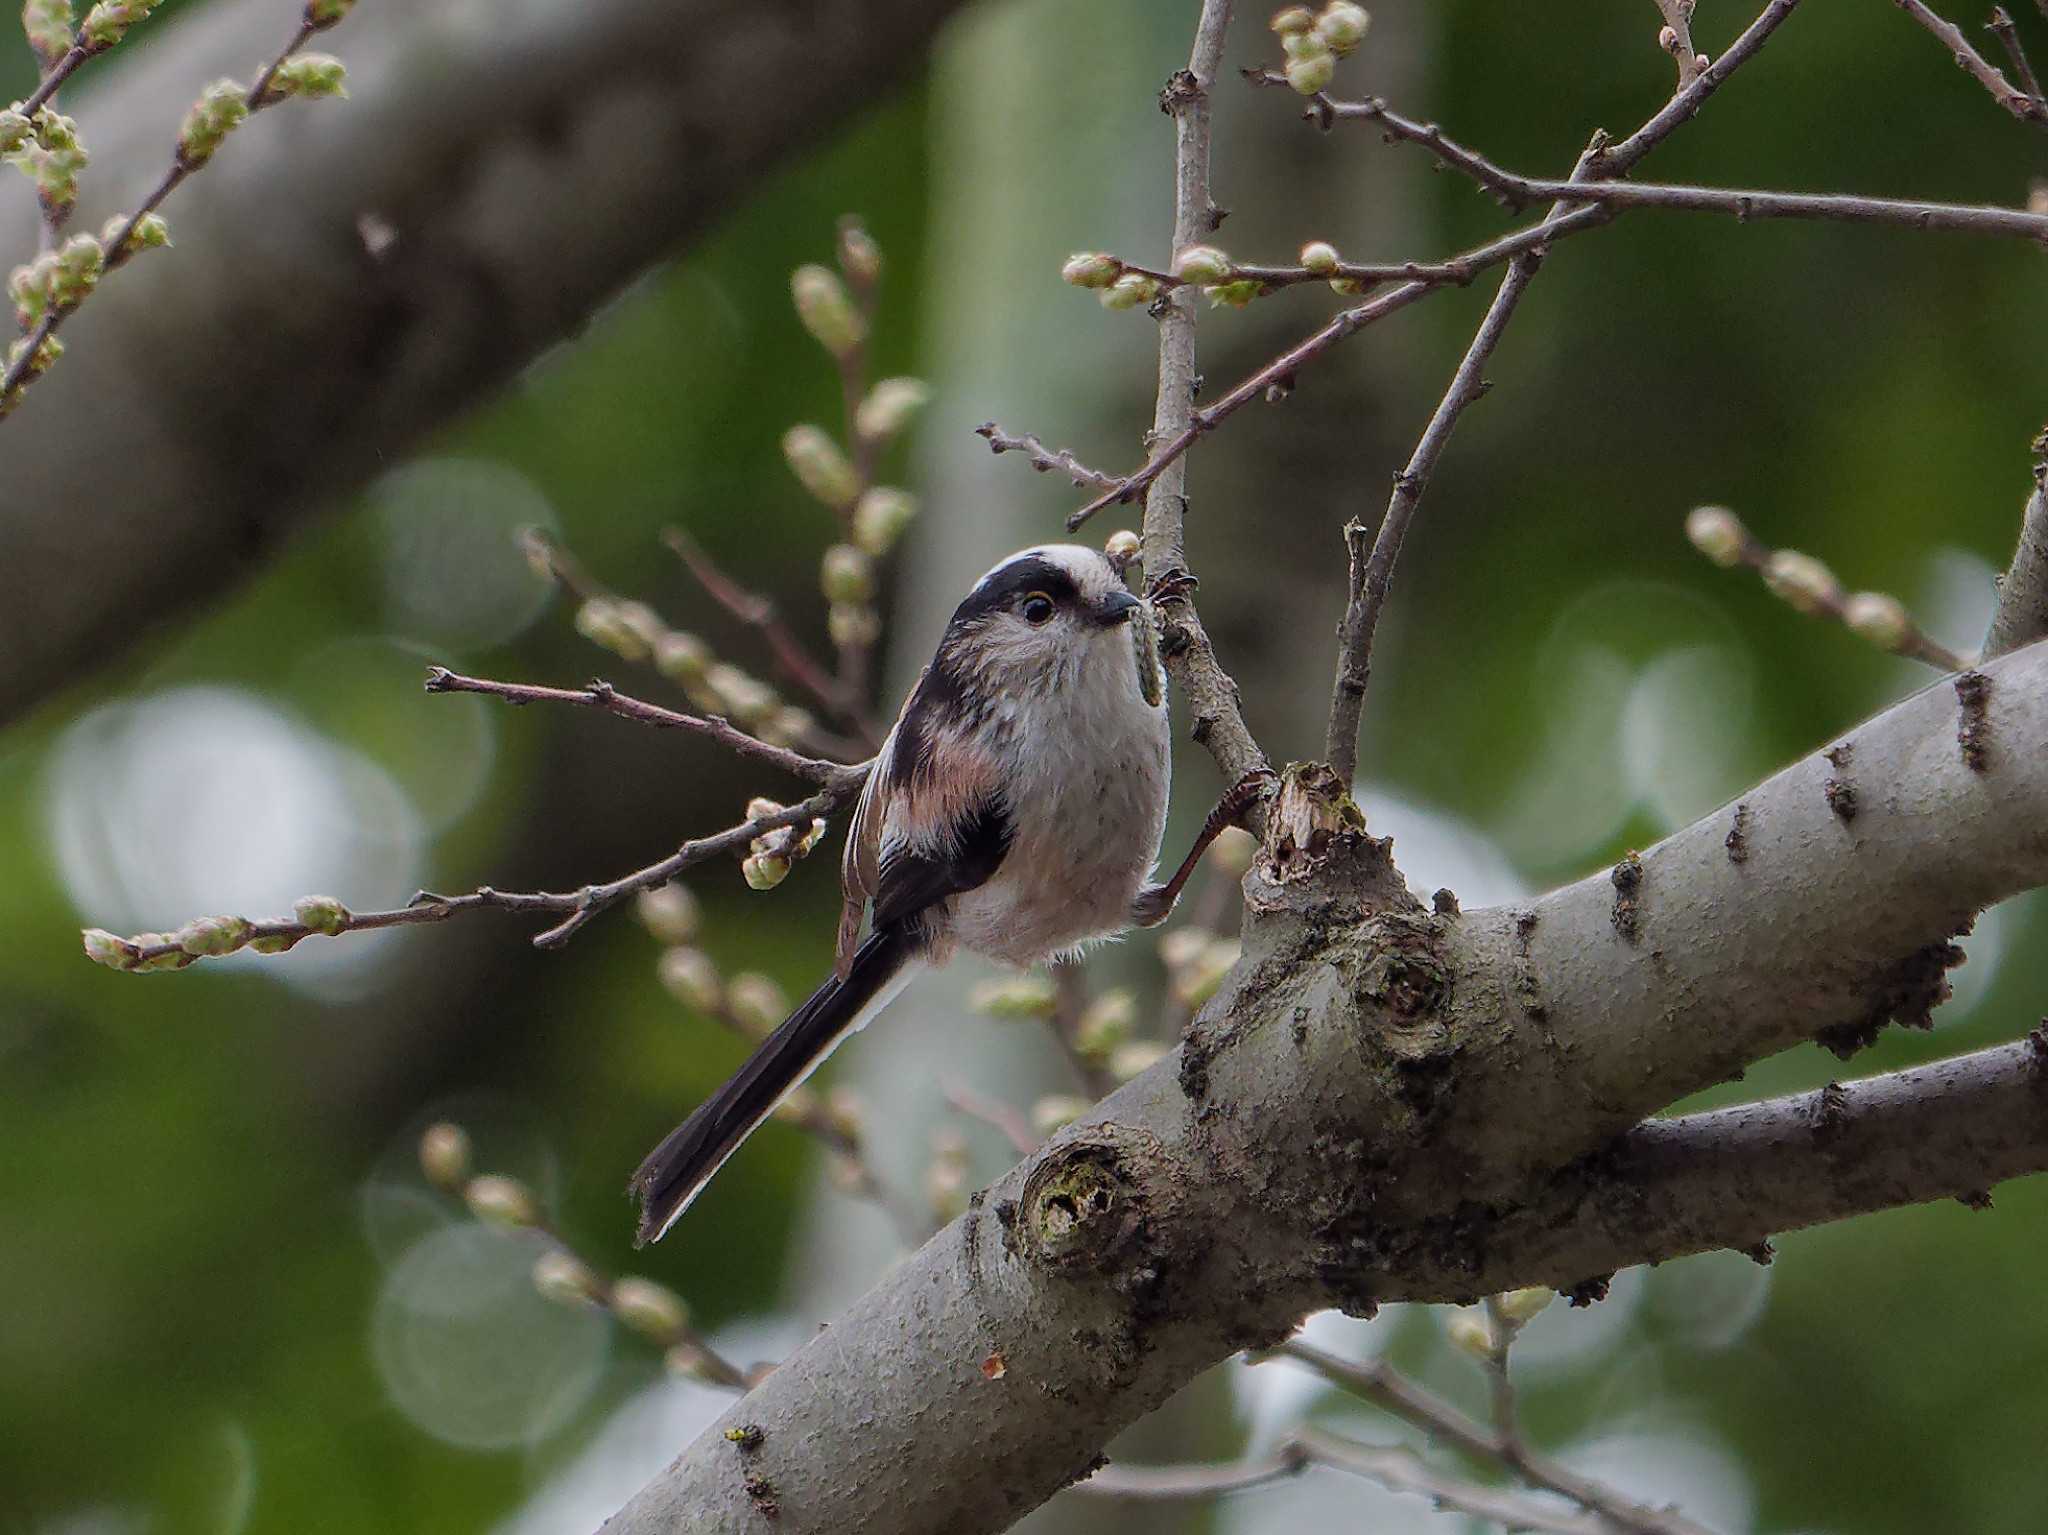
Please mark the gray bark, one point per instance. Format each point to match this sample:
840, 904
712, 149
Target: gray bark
1387, 1103
530, 158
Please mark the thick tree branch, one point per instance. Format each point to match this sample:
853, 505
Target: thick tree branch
2021, 616
1386, 1103
531, 161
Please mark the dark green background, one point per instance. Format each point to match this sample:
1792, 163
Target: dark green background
183, 1258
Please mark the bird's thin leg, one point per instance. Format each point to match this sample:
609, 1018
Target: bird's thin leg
1155, 902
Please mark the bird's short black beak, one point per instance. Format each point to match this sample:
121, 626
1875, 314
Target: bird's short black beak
1116, 608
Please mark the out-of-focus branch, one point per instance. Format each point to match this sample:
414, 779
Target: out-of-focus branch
520, 195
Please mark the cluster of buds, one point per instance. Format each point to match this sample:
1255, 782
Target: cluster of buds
771, 855
108, 22
1321, 258
46, 151
48, 25
633, 631
748, 1003
1313, 42
1808, 586
1488, 1336
1196, 963
308, 76
1118, 285
322, 14
651, 1310
211, 937
1026, 994
57, 280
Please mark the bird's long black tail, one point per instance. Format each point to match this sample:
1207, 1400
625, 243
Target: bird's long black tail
676, 1171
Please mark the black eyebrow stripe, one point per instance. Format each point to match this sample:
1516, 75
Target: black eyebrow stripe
1012, 580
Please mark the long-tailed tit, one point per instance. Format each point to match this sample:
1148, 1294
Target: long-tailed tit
1015, 811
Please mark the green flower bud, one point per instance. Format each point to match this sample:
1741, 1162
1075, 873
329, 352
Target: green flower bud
1202, 264
311, 76
1717, 533
652, 1310
820, 466
79, 264
321, 913
689, 1362
501, 1201
221, 108
1091, 269
1013, 996
1106, 1024
669, 912
602, 621
1320, 257
691, 977
847, 574
1236, 294
755, 1003
322, 14
29, 287
276, 944
826, 309
1122, 547
740, 696
880, 517
150, 233
212, 935
852, 624
644, 624
108, 22
1296, 18
860, 258
1343, 24
1312, 74
45, 357
1880, 619
1301, 46
172, 957
15, 130
889, 407
1056, 1111
1518, 1308
1135, 1057
104, 948
760, 807
1469, 1334
565, 1279
681, 657
1350, 287
444, 1155
1130, 291
787, 726
1802, 581
764, 871
48, 25
54, 130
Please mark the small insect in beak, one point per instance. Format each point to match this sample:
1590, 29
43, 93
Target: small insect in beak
1116, 608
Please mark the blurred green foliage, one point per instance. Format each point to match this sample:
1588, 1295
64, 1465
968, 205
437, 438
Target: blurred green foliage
194, 1171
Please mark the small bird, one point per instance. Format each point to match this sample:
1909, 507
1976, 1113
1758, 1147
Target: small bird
1015, 811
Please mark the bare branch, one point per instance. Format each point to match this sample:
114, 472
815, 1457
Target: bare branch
2022, 105
602, 695
1041, 458
2001, 23
2022, 613
1207, 691
1676, 40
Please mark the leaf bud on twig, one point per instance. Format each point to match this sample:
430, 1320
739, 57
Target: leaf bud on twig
826, 309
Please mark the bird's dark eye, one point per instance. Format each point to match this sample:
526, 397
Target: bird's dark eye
1036, 608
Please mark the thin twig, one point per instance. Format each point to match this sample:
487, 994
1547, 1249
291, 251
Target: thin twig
758, 611
1069, 1004
1518, 190
1678, 30
2018, 102
120, 248
1042, 458
45, 94
1377, 1382
577, 906
602, 695
2001, 25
